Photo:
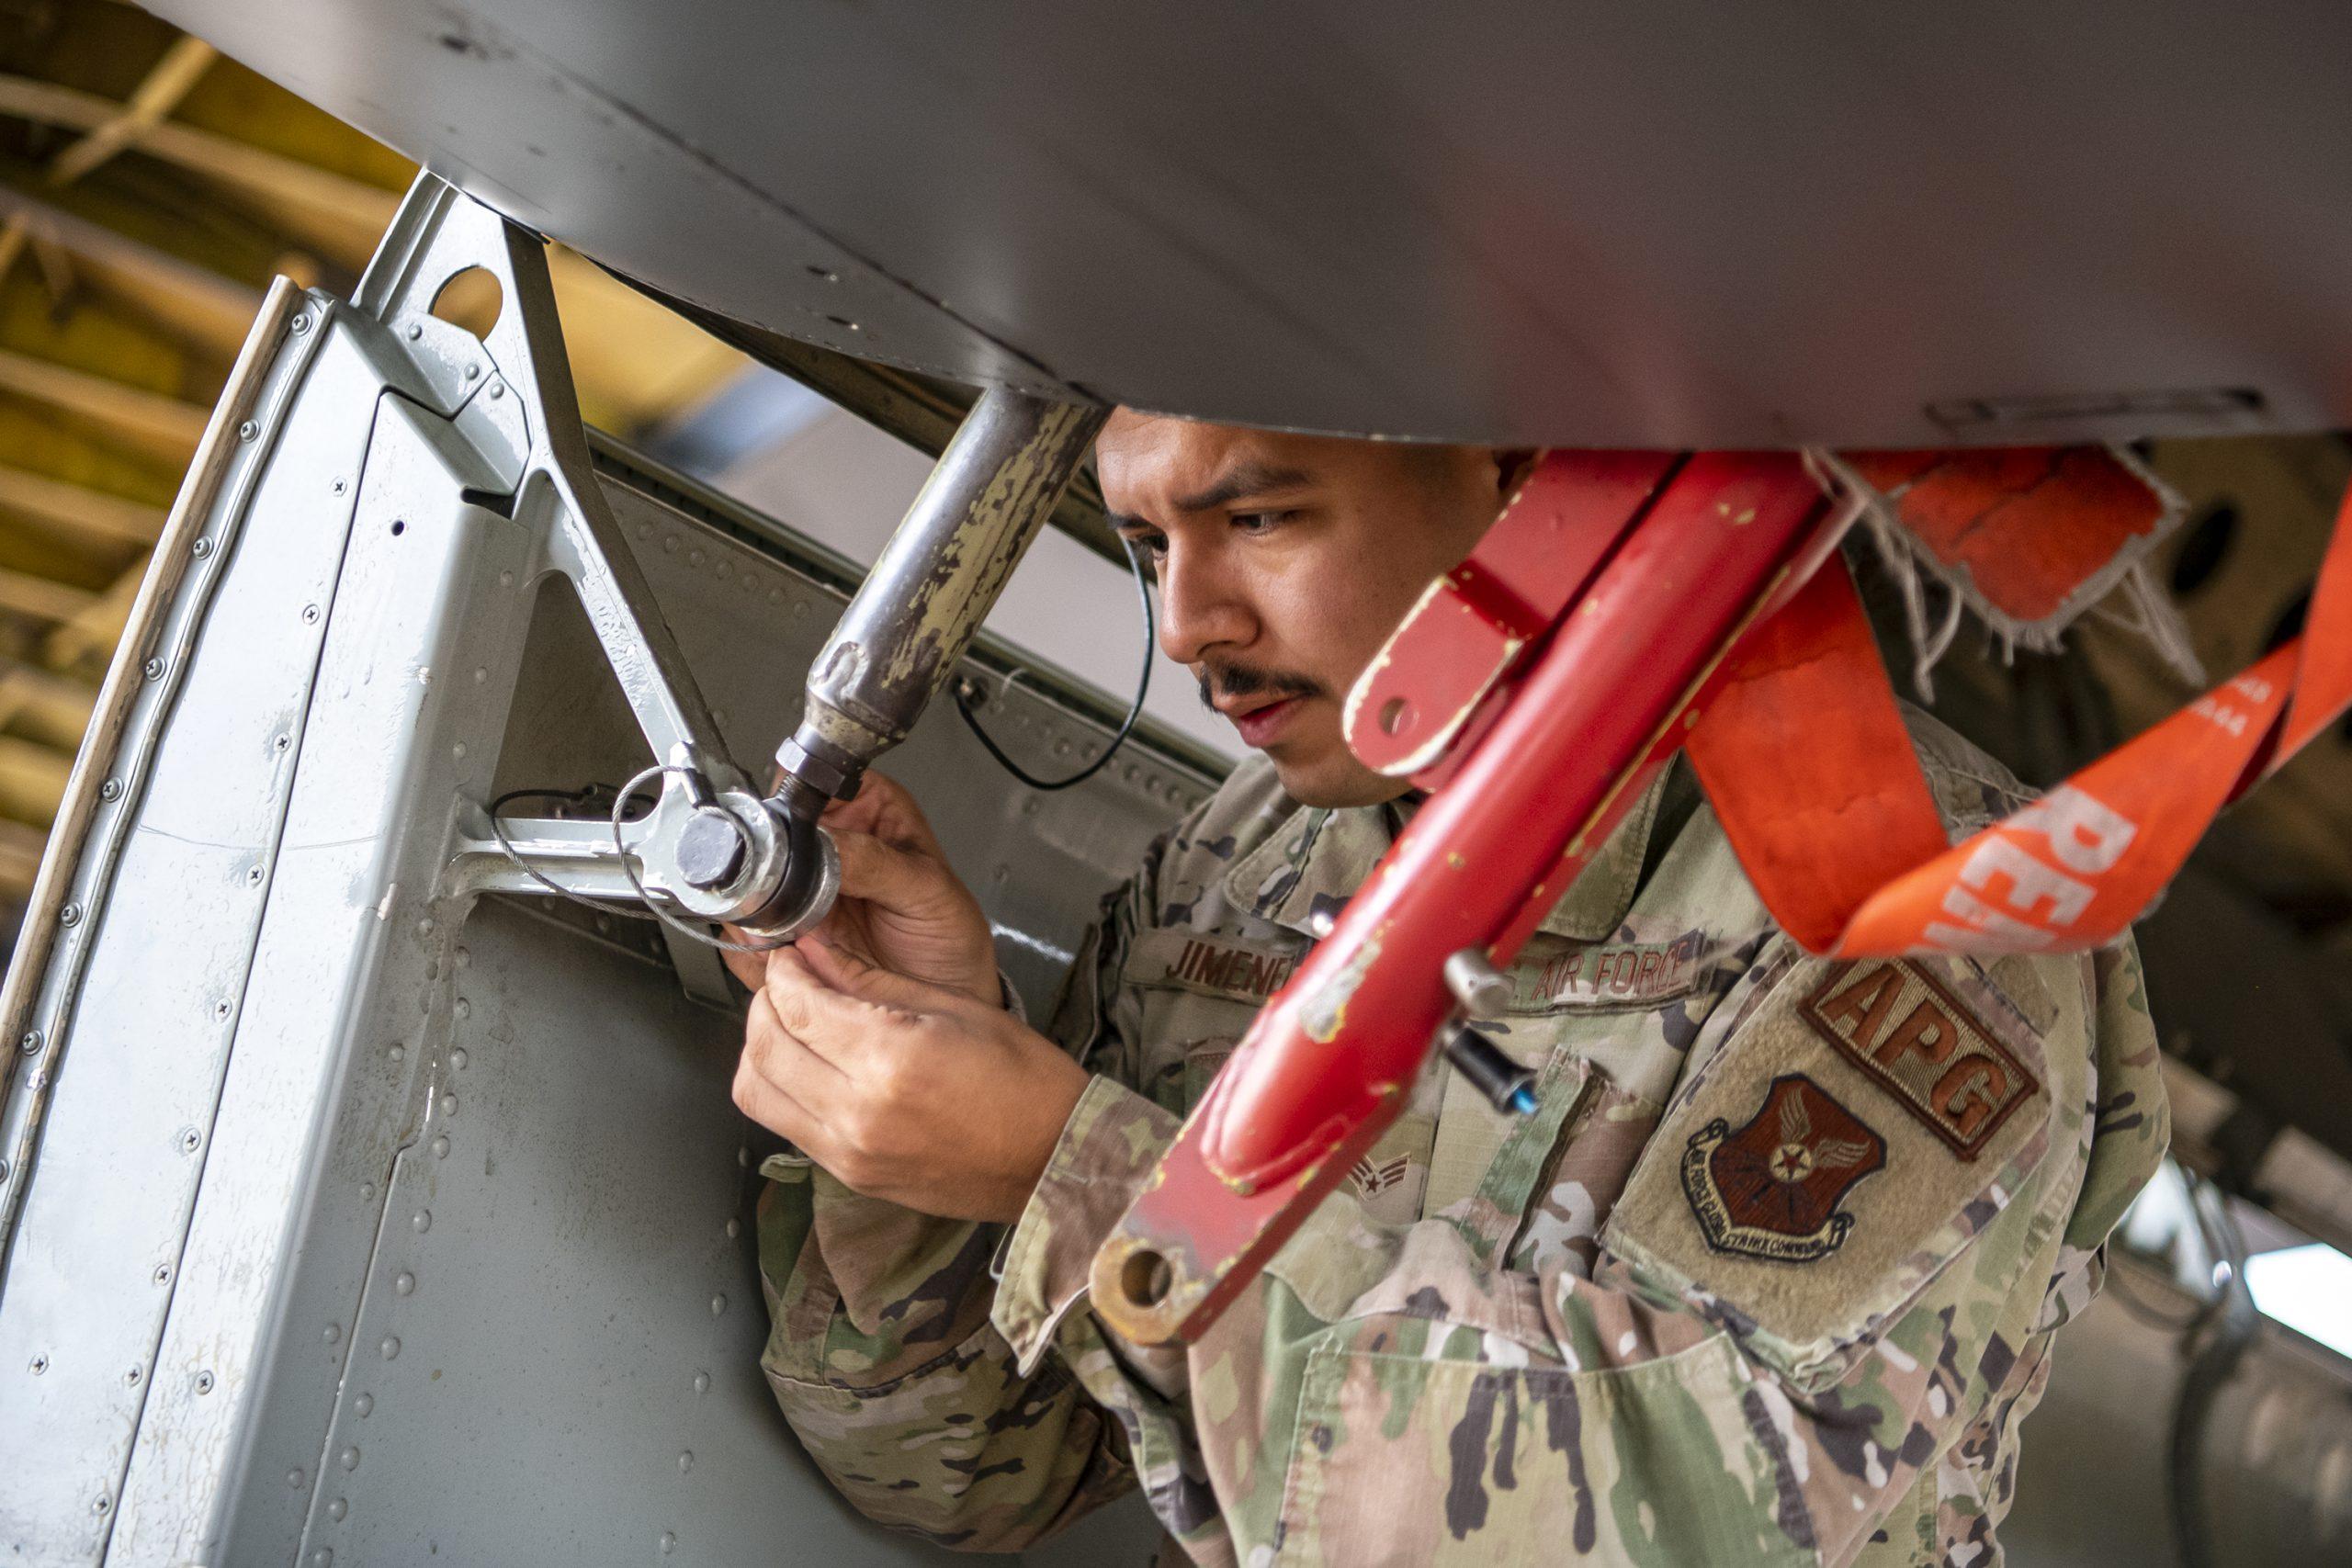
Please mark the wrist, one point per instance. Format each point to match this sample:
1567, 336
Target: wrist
1049, 1101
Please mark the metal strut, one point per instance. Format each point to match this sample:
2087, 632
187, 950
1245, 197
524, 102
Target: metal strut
713, 848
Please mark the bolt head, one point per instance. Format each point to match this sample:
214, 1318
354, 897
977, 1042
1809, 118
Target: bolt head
70, 916
152, 669
202, 548
204, 1382
247, 431
300, 324
30, 1042
111, 790
711, 850
310, 615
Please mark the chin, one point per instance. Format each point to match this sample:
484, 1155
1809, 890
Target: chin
1334, 781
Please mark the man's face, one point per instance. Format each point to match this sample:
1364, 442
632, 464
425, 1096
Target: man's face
1284, 561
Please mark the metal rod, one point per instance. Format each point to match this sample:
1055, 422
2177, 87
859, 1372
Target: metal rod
937, 580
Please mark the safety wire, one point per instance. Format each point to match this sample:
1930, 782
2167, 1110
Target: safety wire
1126, 727
574, 796
622, 798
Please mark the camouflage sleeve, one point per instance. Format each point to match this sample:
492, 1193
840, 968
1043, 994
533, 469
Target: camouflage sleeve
881, 1352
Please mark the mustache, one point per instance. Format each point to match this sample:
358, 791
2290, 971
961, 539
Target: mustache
1248, 680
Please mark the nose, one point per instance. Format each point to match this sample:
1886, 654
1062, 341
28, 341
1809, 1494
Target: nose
1201, 606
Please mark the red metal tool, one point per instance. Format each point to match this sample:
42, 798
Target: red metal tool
1539, 686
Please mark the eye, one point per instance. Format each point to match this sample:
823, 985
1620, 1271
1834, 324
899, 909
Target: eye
1261, 522
1150, 543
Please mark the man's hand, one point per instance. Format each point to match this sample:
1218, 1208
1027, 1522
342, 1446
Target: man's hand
904, 1090
901, 908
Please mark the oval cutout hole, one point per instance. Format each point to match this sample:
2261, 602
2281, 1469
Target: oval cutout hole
470, 300
1391, 715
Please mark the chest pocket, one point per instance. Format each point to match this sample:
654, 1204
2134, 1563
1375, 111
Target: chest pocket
1856, 1131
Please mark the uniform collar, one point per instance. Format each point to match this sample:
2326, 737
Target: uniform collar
1317, 856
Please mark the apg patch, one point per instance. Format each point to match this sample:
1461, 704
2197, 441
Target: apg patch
1770, 1187
1912, 1036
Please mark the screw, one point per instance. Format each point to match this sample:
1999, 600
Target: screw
221, 1010
30, 1043
111, 790
163, 1273
152, 669
204, 1382
282, 742
189, 1140
310, 615
253, 877
131, 1378
202, 547
41, 1363
70, 916
247, 431
300, 324
415, 331
102, 1505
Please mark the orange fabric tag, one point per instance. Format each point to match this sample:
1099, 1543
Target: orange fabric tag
1823, 802
2032, 531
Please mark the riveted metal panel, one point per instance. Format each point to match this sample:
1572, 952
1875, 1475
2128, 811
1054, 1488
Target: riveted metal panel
491, 1138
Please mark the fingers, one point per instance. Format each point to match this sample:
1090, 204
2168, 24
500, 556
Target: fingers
752, 968
883, 807
777, 1079
829, 1020
850, 976
892, 878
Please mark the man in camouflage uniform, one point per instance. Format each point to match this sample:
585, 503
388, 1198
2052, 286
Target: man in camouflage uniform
1769, 1276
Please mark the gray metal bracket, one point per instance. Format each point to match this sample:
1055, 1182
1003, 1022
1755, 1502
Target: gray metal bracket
511, 393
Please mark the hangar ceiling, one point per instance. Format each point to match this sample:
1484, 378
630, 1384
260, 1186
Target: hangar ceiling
149, 190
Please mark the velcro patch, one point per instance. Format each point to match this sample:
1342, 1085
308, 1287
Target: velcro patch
1909, 1034
1770, 1187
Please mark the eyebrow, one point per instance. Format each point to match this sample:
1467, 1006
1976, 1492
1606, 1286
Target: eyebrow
1247, 477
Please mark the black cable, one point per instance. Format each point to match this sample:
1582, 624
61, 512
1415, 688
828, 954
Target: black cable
584, 797
1127, 727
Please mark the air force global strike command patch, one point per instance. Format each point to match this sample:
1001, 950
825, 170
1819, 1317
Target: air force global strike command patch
1770, 1187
